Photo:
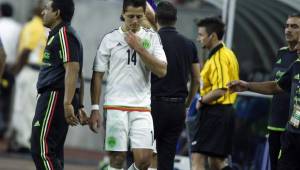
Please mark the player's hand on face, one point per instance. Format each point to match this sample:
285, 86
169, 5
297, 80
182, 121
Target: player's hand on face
83, 118
238, 86
70, 117
95, 120
132, 40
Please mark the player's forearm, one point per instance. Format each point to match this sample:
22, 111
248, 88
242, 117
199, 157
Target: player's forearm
81, 97
267, 87
95, 88
150, 16
156, 66
71, 77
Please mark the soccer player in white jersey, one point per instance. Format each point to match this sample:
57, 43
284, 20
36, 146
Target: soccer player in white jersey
128, 55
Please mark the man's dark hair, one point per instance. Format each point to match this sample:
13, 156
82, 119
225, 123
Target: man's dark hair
166, 14
66, 8
6, 9
134, 3
297, 15
213, 25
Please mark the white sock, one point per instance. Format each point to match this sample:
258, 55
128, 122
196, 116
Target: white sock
152, 168
111, 168
133, 167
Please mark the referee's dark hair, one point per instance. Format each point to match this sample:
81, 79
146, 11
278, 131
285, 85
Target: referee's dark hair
66, 8
134, 3
213, 25
6, 9
166, 14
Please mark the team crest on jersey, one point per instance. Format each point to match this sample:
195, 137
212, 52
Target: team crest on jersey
146, 43
46, 56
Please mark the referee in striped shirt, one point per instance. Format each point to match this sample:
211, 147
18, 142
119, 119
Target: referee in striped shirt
213, 137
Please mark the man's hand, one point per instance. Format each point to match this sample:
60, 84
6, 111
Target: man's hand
70, 117
132, 40
198, 105
94, 121
83, 118
238, 86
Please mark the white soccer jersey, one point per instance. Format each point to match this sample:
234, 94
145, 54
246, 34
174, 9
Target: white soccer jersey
128, 79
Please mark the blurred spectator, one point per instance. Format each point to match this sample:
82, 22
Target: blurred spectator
9, 33
31, 47
2, 58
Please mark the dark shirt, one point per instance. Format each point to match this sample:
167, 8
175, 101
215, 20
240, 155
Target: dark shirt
63, 45
290, 82
181, 54
281, 101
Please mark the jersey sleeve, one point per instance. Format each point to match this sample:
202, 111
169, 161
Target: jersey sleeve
69, 48
285, 82
102, 57
158, 49
221, 74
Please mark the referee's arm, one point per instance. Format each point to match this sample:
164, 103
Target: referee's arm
213, 95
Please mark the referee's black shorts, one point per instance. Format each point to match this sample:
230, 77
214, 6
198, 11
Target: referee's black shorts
215, 131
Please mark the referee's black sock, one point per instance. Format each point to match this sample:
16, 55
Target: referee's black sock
227, 168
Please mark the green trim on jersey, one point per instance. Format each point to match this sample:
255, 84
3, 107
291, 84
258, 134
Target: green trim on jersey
276, 129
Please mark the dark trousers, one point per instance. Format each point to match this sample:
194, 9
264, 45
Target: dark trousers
6, 100
49, 130
290, 151
274, 147
168, 118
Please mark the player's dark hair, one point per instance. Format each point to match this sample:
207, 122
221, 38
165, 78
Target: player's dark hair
134, 3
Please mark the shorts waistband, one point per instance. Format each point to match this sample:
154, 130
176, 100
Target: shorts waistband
169, 99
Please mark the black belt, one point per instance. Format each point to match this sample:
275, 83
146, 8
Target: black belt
34, 66
169, 99
48, 89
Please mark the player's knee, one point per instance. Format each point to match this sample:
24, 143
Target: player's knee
143, 162
117, 159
